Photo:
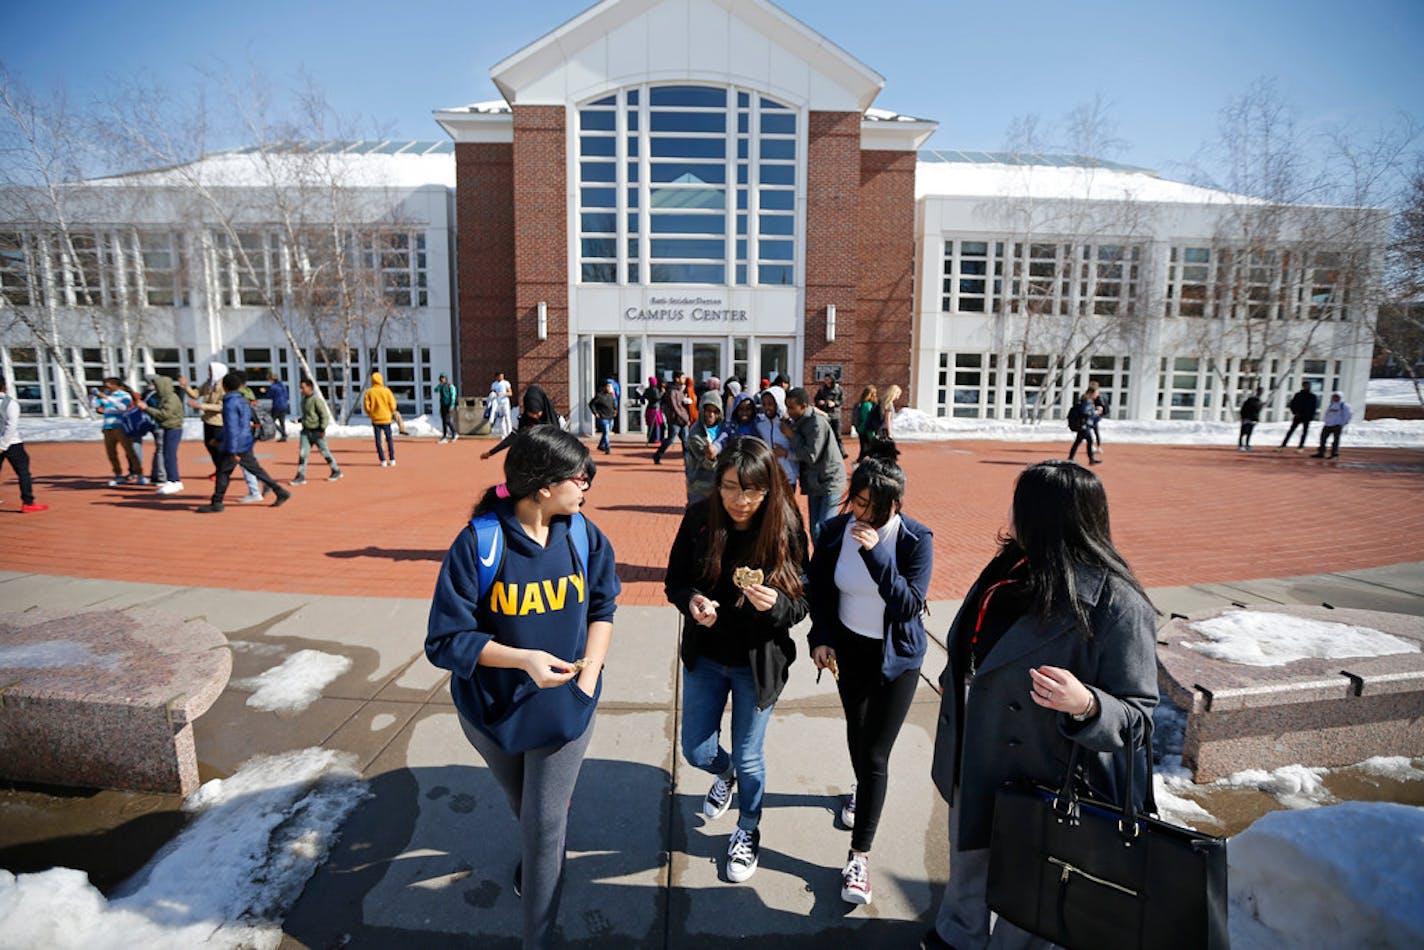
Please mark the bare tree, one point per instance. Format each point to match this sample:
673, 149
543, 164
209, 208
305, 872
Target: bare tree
1075, 268
1399, 333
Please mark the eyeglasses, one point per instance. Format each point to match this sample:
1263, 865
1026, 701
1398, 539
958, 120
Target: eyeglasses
581, 482
742, 494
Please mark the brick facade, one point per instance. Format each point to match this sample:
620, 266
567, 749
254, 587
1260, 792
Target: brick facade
541, 245
484, 255
886, 252
832, 183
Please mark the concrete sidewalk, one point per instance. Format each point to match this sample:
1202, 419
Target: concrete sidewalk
427, 861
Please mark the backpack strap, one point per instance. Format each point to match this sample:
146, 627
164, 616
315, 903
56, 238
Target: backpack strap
489, 547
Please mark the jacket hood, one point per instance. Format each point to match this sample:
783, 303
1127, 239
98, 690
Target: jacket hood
744, 397
216, 371
376, 380
778, 394
652, 381
709, 398
1338, 393
734, 387
163, 384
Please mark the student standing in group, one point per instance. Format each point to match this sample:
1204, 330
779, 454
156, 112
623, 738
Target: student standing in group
1303, 406
869, 584
654, 419
526, 681
829, 398
1337, 416
12, 450
445, 393
1054, 647
281, 403
863, 417
736, 636
674, 405
316, 417
820, 464
768, 429
501, 398
699, 456
237, 445
113, 400
1250, 415
380, 405
604, 407
168, 417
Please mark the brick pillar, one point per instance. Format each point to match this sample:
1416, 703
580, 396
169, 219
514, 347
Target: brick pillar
886, 253
832, 197
541, 250
484, 256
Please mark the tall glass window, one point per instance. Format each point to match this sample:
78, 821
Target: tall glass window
687, 185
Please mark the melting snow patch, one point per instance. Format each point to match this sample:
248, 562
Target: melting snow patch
1398, 767
1344, 876
225, 882
1259, 638
1294, 786
295, 684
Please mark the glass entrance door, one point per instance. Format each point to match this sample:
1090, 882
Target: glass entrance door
706, 361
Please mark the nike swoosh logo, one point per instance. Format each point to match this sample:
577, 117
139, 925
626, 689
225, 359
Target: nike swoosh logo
488, 559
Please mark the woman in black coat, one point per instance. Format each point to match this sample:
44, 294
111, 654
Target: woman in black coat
1054, 646
536, 409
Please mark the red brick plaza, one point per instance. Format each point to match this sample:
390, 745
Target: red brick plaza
1182, 515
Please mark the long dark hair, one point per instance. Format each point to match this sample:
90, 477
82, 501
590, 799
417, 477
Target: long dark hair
1061, 523
780, 535
884, 482
538, 457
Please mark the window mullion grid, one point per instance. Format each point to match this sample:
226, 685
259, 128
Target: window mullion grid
620, 184
645, 185
729, 199
754, 189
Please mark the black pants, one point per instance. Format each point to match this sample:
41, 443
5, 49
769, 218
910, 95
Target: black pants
19, 460
249, 463
1325, 434
1085, 437
280, 418
212, 441
1304, 430
874, 710
447, 426
1243, 439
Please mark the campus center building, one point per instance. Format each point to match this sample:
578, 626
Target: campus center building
707, 186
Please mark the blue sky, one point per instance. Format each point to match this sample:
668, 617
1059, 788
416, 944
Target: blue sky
1165, 70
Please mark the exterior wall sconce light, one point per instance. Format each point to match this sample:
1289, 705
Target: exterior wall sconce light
543, 320
830, 323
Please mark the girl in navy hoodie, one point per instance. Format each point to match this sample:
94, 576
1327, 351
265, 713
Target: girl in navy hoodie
527, 652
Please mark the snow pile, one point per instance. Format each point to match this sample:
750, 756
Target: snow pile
914, 425
1169, 776
1258, 638
1393, 392
225, 882
295, 684
1348, 875
60, 429
1294, 786
1400, 768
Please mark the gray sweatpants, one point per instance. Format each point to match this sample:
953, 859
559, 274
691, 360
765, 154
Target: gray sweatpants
963, 918
539, 786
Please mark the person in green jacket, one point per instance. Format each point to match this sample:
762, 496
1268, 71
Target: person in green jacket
315, 418
445, 393
168, 416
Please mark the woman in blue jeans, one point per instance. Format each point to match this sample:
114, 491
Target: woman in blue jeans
736, 637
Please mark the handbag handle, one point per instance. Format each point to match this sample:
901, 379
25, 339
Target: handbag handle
1068, 793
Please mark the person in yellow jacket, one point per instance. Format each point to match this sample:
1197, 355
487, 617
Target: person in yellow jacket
380, 405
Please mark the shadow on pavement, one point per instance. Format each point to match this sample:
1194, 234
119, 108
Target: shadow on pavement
392, 554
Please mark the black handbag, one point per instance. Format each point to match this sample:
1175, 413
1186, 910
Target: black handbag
1085, 873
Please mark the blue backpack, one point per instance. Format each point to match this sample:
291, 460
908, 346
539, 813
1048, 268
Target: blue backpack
136, 423
489, 547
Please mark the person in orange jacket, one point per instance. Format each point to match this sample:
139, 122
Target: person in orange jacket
380, 405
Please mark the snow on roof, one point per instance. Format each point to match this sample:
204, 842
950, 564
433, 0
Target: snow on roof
949, 173
886, 115
375, 163
488, 107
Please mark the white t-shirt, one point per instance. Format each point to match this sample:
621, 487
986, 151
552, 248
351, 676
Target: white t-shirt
862, 610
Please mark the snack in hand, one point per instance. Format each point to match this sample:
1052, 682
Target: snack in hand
578, 665
745, 577
835, 670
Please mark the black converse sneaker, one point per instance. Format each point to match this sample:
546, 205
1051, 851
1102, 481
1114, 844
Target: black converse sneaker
848, 810
855, 880
719, 796
742, 853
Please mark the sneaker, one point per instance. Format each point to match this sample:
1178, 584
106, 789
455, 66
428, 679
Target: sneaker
334, 477
442, 441
384, 463
848, 810
742, 853
213, 508
118, 480
455, 437
855, 880
719, 796
1095, 461
393, 463
1241, 448
299, 480
250, 499
281, 500
170, 488
141, 480
33, 508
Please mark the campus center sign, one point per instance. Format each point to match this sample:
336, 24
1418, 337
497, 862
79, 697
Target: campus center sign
751, 311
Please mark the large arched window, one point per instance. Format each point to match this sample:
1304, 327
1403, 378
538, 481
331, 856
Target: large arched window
687, 185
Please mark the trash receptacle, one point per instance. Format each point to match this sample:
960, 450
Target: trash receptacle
470, 416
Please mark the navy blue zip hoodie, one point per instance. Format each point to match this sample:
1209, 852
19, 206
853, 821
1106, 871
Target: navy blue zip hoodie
537, 601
